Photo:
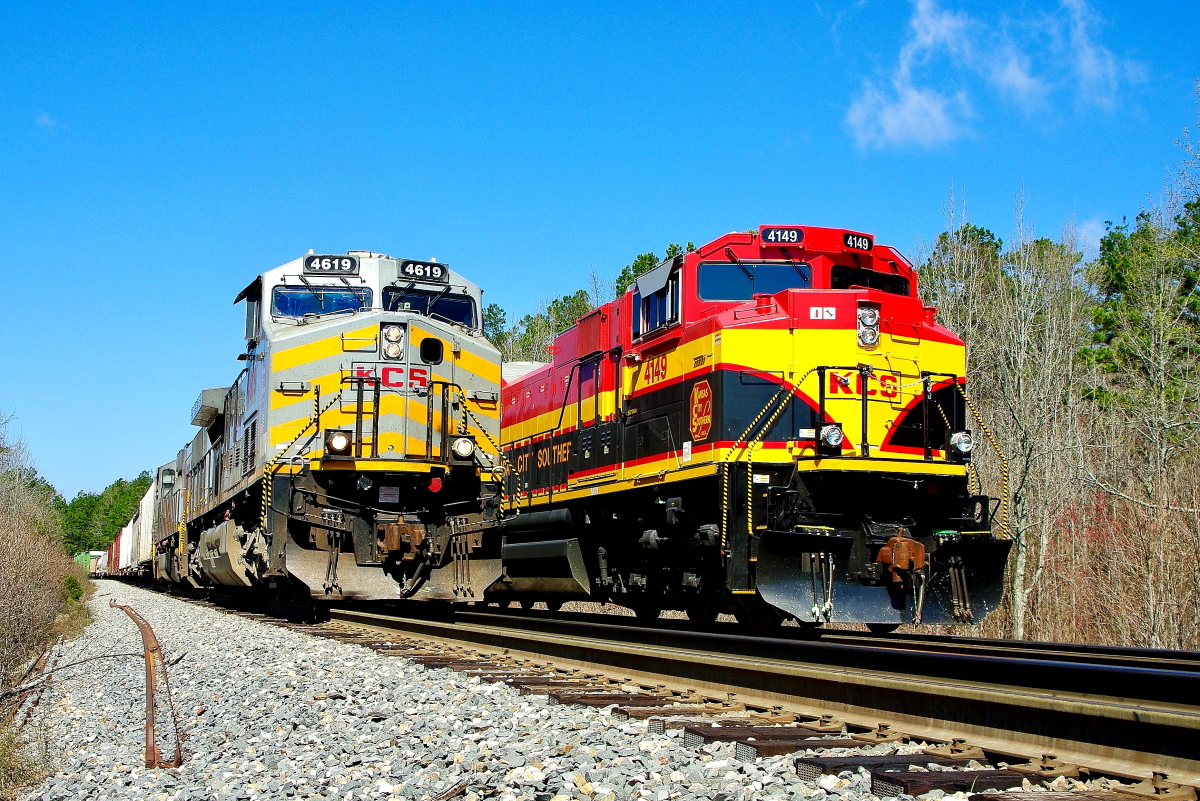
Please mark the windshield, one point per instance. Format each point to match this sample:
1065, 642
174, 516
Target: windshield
725, 280
455, 308
846, 277
297, 301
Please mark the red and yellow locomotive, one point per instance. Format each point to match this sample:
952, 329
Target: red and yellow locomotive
771, 425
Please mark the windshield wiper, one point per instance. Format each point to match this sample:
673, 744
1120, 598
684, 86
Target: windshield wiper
733, 258
319, 296
435, 316
362, 299
798, 267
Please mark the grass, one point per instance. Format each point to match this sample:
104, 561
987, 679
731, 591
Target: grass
23, 761
75, 615
19, 766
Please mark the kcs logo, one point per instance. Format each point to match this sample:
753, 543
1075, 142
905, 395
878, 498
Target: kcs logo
852, 384
394, 377
700, 411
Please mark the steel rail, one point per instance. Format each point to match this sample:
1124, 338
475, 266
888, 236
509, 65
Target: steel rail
154, 663
1186, 661
1123, 719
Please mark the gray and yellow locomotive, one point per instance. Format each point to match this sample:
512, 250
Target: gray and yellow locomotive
355, 452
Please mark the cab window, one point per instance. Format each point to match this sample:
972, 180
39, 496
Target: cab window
724, 280
452, 308
297, 301
847, 277
656, 310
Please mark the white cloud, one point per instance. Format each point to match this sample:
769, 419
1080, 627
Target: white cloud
947, 53
933, 28
1011, 74
909, 116
1098, 73
48, 123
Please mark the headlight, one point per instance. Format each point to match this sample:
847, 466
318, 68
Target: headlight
962, 442
463, 448
832, 436
393, 333
337, 442
392, 351
868, 326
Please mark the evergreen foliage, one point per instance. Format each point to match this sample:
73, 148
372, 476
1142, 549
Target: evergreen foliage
91, 521
528, 338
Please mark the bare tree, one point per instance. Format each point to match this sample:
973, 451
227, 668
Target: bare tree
33, 565
1021, 312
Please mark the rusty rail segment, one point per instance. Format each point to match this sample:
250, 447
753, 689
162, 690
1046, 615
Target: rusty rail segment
1112, 714
154, 662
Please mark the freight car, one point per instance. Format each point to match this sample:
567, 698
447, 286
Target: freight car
771, 425
356, 452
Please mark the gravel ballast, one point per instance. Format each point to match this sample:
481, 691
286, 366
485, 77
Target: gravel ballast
267, 712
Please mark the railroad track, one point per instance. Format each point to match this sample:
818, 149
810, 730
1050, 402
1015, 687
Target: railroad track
1118, 712
1187, 661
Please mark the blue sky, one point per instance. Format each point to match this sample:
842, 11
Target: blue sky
156, 157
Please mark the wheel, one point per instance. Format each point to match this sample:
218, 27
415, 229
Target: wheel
647, 612
554, 606
758, 615
882, 628
703, 612
527, 603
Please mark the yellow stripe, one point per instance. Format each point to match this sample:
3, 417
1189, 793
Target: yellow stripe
390, 465
321, 349
284, 433
487, 370
329, 383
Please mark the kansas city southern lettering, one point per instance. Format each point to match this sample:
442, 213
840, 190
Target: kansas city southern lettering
555, 454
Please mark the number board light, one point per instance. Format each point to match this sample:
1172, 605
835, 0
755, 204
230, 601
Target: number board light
427, 271
330, 265
782, 236
858, 241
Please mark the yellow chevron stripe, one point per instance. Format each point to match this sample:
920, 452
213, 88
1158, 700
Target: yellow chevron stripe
283, 433
388, 465
329, 383
465, 360
321, 349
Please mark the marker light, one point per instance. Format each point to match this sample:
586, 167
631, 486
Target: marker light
435, 484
